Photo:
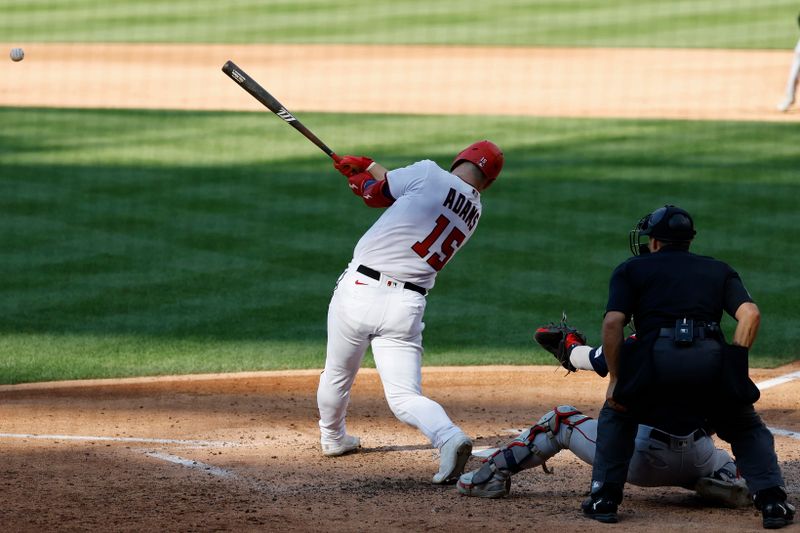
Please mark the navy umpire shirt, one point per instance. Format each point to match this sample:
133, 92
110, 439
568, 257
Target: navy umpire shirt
660, 288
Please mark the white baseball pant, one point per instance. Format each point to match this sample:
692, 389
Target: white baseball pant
380, 313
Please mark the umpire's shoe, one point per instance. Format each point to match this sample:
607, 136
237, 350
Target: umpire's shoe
601, 505
776, 512
453, 456
601, 509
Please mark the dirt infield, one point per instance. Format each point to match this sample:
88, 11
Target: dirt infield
241, 452
568, 82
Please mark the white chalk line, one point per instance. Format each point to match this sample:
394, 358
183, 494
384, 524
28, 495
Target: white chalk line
138, 440
780, 380
191, 463
784, 433
484, 452
168, 457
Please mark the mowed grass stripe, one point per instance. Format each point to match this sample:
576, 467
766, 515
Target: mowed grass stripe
645, 23
216, 247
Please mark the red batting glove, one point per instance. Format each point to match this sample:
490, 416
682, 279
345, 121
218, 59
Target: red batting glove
350, 165
359, 182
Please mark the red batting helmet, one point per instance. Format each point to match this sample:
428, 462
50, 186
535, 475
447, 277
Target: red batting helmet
485, 155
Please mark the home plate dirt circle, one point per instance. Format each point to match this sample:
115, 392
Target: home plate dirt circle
241, 452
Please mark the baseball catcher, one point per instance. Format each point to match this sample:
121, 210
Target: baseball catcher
693, 462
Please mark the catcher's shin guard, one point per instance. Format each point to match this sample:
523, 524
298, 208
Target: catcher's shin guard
526, 451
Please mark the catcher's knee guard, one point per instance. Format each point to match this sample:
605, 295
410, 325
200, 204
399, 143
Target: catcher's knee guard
557, 426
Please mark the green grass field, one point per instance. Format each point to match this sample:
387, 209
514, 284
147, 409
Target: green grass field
169, 242
173, 242
662, 23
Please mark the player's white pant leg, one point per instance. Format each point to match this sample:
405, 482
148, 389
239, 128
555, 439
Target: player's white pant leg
348, 339
794, 74
398, 357
678, 463
792, 82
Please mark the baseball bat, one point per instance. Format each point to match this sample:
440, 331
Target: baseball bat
270, 102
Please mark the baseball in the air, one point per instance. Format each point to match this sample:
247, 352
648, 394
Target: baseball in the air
17, 54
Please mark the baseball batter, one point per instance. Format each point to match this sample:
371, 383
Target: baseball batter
794, 75
660, 459
379, 300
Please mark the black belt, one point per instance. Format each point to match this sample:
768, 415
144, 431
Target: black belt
700, 332
666, 438
374, 274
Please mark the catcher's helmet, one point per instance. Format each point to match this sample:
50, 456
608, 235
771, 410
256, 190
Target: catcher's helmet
669, 224
486, 155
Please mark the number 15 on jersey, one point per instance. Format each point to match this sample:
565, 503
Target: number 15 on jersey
447, 248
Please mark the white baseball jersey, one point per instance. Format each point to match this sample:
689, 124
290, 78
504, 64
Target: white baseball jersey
433, 216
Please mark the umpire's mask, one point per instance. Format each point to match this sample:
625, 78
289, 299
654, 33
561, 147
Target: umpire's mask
669, 224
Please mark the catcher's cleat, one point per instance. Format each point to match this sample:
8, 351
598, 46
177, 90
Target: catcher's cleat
559, 339
498, 486
346, 445
452, 458
724, 487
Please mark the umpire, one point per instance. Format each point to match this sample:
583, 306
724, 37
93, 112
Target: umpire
680, 374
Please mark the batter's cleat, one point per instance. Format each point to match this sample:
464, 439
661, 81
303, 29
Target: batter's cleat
776, 512
724, 489
600, 508
453, 457
498, 486
346, 445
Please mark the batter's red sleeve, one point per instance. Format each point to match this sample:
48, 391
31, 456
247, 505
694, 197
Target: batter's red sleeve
377, 194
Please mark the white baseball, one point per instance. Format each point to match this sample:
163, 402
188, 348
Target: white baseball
17, 54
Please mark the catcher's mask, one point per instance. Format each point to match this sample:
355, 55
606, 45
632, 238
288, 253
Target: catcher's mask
669, 224
486, 155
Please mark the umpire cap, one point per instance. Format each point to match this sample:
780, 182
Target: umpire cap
669, 224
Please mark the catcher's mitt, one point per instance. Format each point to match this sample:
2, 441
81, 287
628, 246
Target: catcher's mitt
559, 339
